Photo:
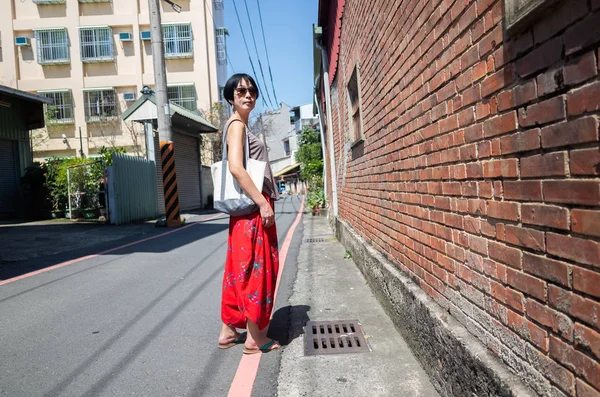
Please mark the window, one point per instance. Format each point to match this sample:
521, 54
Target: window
286, 147
221, 45
100, 105
183, 95
218, 4
353, 88
96, 44
521, 14
178, 40
61, 109
52, 46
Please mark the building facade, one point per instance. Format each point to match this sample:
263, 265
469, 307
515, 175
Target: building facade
463, 151
93, 58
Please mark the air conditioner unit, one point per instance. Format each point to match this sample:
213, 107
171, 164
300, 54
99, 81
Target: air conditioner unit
146, 35
125, 36
129, 96
22, 41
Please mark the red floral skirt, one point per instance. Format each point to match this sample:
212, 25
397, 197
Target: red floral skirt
251, 270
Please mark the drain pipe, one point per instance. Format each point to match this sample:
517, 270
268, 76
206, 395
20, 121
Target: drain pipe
322, 143
325, 62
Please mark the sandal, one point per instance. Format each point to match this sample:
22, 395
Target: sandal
236, 341
264, 349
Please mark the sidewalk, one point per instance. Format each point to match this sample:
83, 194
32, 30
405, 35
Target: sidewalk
334, 289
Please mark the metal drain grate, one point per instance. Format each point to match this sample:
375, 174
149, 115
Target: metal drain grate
315, 240
334, 337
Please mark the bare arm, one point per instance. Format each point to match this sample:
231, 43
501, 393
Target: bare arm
235, 158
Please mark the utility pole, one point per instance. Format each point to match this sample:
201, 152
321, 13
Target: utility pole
160, 76
164, 116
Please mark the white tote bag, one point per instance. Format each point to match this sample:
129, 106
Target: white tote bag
228, 195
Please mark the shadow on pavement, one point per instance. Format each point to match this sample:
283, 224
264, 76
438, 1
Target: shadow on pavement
33, 247
288, 323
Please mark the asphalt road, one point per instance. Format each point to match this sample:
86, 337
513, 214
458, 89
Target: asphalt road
139, 321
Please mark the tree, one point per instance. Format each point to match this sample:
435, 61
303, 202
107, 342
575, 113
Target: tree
211, 145
310, 155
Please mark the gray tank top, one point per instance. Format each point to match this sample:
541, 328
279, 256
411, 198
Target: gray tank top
258, 151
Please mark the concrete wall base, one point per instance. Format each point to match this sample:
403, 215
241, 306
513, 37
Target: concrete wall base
458, 364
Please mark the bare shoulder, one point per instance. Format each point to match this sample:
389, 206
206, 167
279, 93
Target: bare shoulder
235, 133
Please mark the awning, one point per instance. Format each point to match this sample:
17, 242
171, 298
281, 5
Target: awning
287, 170
183, 119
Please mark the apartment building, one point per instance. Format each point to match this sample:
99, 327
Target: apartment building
92, 58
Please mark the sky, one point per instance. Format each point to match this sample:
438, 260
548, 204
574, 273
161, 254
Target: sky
288, 32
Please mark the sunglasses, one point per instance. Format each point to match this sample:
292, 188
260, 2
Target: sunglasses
241, 91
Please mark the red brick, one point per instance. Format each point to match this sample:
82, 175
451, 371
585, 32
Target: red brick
545, 215
484, 149
582, 69
515, 300
572, 192
587, 339
528, 330
584, 99
583, 34
471, 95
550, 164
586, 281
491, 40
570, 133
585, 162
550, 82
468, 152
503, 210
485, 189
583, 389
525, 93
479, 70
504, 254
565, 15
498, 190
474, 170
506, 168
500, 124
474, 133
517, 46
506, 100
555, 372
548, 269
586, 222
497, 81
540, 58
575, 361
577, 306
482, 110
552, 109
523, 190
558, 322
573, 248
477, 207
478, 244
469, 58
520, 142
466, 117
532, 286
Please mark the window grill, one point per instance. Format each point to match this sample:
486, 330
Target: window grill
100, 105
61, 109
96, 44
221, 46
178, 40
52, 46
218, 4
183, 95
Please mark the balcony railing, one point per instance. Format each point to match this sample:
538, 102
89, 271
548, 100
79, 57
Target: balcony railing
49, 1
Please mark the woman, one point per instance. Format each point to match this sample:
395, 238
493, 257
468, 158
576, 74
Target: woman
252, 262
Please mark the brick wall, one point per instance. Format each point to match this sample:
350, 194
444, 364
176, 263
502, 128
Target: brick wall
479, 173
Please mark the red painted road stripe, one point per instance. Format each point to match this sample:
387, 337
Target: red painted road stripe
248, 368
83, 258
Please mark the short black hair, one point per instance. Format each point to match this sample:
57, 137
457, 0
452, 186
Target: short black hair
233, 82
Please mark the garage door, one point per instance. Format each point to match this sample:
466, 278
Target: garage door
187, 166
9, 189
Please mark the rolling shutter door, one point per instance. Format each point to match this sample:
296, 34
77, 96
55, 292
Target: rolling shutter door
187, 166
9, 189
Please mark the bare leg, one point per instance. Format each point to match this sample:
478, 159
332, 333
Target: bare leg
228, 334
257, 337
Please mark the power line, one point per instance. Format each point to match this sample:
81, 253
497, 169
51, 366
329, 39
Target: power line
258, 56
248, 51
266, 51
